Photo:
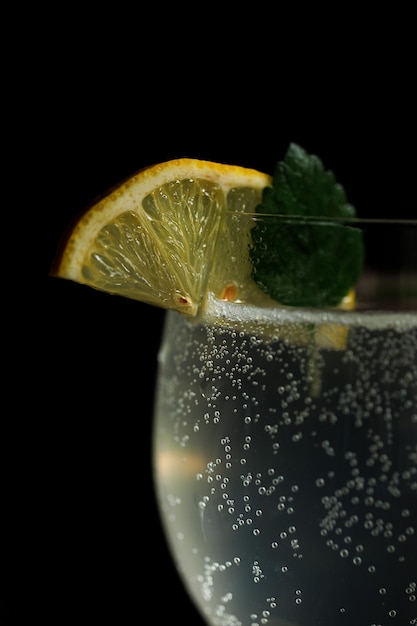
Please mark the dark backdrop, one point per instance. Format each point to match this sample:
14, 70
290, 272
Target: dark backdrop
83, 540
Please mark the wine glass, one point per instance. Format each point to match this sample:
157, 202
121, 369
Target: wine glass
285, 448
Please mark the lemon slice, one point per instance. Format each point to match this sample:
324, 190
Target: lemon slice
155, 238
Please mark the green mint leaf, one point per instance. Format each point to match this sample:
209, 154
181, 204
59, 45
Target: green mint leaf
300, 261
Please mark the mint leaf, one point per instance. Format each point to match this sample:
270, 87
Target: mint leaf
308, 256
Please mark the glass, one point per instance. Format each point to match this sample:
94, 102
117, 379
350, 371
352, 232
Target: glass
285, 449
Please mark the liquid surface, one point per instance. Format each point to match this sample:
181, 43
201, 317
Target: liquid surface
286, 467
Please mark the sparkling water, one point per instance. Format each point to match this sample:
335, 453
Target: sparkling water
285, 454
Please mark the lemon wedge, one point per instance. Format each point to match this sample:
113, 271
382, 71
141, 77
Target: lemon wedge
154, 237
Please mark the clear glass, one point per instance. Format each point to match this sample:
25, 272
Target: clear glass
285, 451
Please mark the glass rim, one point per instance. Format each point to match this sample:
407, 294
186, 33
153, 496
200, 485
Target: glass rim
329, 220
231, 313
381, 253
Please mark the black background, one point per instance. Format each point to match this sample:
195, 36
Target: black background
102, 98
